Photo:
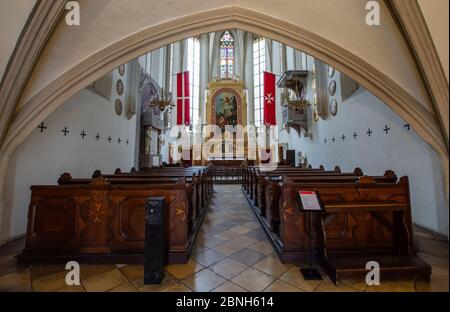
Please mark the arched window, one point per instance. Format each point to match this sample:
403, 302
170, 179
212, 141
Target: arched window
194, 78
226, 56
259, 66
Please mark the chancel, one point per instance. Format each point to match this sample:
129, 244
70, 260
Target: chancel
217, 122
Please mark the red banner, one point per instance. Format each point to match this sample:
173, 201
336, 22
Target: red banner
269, 99
183, 101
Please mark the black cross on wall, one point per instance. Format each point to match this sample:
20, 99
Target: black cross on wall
97, 136
83, 134
65, 131
42, 127
355, 135
333, 139
119, 140
128, 142
369, 132
386, 129
407, 126
343, 137
325, 141
109, 139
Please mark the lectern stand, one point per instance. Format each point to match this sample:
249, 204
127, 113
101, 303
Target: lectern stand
310, 204
154, 253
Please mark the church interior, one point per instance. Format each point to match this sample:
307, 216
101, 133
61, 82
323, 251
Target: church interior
230, 148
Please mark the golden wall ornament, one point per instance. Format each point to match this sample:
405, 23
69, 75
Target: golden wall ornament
233, 86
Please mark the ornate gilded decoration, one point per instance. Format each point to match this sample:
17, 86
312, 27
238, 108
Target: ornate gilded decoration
217, 88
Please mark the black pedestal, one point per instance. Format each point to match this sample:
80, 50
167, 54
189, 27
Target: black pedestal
311, 274
154, 241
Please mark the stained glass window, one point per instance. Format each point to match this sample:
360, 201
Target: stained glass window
226, 56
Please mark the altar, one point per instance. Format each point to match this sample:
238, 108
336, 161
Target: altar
226, 106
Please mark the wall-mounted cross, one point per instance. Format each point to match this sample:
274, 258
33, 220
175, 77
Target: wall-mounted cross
369, 132
65, 131
83, 134
325, 141
355, 135
97, 136
386, 129
343, 137
407, 126
42, 127
109, 139
119, 140
128, 142
333, 139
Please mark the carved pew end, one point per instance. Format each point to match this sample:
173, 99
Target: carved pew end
358, 172
96, 174
64, 178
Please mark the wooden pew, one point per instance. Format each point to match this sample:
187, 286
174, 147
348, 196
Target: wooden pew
261, 181
192, 189
256, 171
256, 190
196, 176
273, 190
102, 221
364, 220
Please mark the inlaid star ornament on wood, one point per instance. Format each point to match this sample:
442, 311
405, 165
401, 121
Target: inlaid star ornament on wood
269, 98
97, 212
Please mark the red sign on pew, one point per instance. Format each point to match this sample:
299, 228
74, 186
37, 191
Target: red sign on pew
310, 201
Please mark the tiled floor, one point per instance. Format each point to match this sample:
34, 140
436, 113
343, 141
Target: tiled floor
232, 253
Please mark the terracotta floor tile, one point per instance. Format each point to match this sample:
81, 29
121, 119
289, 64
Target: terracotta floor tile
253, 280
436, 284
328, 286
132, 272
280, 286
263, 247
248, 257
204, 281
208, 257
295, 278
14, 279
104, 281
228, 268
393, 286
227, 235
51, 282
181, 271
240, 229
38, 271
272, 266
125, 287
229, 287
87, 271
228, 248
244, 240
